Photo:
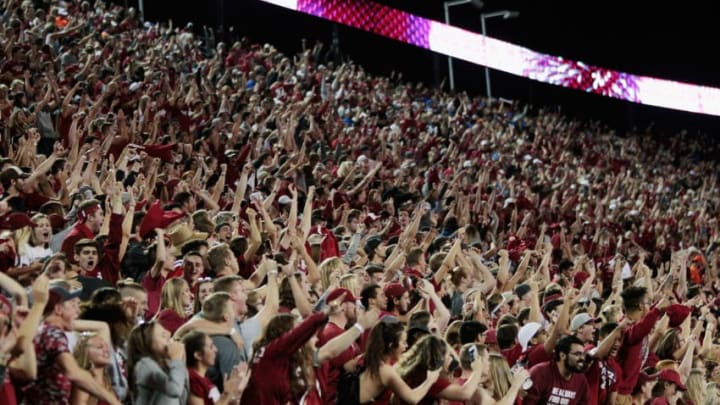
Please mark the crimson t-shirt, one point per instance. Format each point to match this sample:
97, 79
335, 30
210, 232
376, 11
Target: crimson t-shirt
536, 355
415, 379
328, 374
549, 387
512, 354
153, 287
170, 320
203, 388
602, 376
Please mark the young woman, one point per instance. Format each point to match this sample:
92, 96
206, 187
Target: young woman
106, 305
669, 388
712, 396
284, 357
92, 353
156, 366
204, 288
643, 389
500, 379
34, 243
281, 363
349, 282
175, 300
200, 353
330, 272
380, 380
508, 390
433, 353
696, 389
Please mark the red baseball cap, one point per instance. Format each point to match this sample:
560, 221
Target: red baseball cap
677, 314
672, 376
336, 293
394, 290
16, 220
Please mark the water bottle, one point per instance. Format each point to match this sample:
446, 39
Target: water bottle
519, 365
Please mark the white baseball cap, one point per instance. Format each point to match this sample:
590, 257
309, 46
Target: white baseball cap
527, 332
581, 319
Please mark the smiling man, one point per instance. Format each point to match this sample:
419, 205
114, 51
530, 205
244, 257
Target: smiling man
560, 381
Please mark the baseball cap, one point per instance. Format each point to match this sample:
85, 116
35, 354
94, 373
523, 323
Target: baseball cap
505, 297
677, 314
581, 319
394, 290
527, 332
16, 220
61, 291
672, 376
594, 296
644, 377
336, 293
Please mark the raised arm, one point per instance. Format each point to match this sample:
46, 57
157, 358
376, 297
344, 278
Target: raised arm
272, 299
337, 345
392, 379
255, 238
84, 380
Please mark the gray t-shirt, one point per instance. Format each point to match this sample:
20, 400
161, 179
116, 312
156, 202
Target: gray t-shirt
250, 330
157, 387
228, 356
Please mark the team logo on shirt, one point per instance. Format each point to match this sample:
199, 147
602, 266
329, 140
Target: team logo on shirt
560, 396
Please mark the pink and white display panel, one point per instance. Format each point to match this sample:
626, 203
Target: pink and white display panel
504, 56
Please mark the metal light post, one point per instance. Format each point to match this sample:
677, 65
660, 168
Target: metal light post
447, 5
505, 14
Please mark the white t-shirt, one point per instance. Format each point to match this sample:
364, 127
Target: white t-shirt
34, 253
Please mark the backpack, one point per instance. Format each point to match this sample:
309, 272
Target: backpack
348, 388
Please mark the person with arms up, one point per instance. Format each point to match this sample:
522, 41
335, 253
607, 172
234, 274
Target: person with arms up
635, 345
58, 370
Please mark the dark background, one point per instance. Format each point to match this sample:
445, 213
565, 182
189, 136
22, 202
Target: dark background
674, 41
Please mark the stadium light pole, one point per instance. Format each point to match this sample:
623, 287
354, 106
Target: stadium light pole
447, 5
505, 14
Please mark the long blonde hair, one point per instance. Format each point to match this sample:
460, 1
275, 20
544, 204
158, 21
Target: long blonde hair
82, 356
349, 281
500, 375
327, 268
696, 390
425, 355
22, 240
25, 236
171, 296
712, 395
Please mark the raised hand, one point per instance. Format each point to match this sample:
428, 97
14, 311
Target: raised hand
368, 319
40, 290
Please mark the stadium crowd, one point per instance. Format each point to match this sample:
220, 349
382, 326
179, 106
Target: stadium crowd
184, 222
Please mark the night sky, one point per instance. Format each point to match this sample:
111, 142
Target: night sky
662, 40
